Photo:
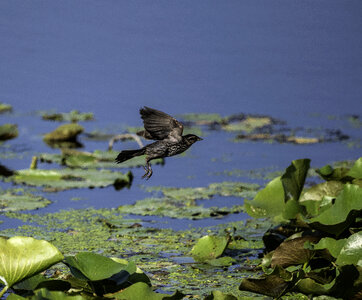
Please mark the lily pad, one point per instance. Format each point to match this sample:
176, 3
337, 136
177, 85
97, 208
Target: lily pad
62, 179
356, 170
333, 246
347, 201
12, 200
96, 159
293, 179
92, 266
209, 247
217, 295
226, 188
23, 257
269, 202
43, 293
72, 116
65, 132
202, 118
272, 285
319, 197
141, 291
292, 252
8, 131
351, 252
248, 124
5, 107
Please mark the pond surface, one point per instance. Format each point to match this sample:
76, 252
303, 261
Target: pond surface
296, 61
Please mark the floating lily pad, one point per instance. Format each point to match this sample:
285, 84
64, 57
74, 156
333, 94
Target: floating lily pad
202, 119
94, 267
320, 197
8, 131
347, 201
248, 124
65, 132
269, 202
23, 257
73, 116
96, 159
141, 291
333, 246
351, 252
43, 293
62, 179
226, 188
5, 107
209, 248
356, 170
168, 207
12, 200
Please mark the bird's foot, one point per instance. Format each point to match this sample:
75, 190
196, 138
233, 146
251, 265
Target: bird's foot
148, 173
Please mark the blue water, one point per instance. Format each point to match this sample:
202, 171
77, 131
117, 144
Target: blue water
299, 61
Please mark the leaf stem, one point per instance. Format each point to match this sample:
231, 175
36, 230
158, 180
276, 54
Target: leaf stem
2, 292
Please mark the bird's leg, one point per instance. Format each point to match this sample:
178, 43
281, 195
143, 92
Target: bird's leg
147, 169
150, 172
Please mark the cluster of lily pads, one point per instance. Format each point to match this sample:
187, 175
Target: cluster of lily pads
92, 275
318, 248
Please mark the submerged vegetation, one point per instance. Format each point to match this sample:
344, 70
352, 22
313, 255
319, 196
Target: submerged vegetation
303, 241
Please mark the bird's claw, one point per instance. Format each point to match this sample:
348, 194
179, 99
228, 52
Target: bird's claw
148, 173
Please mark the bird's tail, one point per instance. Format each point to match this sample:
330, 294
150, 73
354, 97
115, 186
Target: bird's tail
128, 154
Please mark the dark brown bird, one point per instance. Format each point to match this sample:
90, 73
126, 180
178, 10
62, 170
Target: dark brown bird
167, 132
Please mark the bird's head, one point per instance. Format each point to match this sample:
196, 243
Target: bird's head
191, 138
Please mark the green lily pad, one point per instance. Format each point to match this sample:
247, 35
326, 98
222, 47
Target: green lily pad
209, 247
8, 131
226, 188
320, 197
23, 257
96, 159
62, 179
39, 281
294, 177
141, 291
356, 170
92, 266
333, 246
5, 107
347, 201
43, 293
72, 116
168, 207
338, 174
248, 124
11, 200
269, 202
224, 261
351, 252
65, 132
202, 118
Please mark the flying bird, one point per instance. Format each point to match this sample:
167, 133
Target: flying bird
167, 132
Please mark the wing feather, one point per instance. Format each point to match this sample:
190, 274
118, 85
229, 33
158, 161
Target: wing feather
159, 125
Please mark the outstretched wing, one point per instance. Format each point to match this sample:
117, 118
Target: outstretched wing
160, 126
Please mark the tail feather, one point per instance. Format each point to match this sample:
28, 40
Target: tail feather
128, 154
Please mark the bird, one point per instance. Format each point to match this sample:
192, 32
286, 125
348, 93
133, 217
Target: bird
167, 133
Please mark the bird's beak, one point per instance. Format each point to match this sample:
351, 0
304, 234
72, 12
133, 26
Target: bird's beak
199, 139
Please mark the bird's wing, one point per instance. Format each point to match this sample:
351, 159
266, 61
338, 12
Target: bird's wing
160, 126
